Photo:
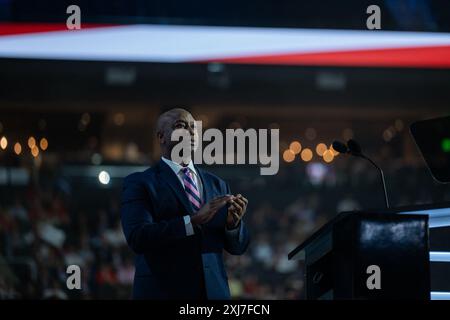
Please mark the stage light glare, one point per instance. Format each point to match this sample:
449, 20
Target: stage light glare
31, 142
3, 143
306, 154
17, 148
43, 144
104, 177
335, 153
321, 148
35, 151
288, 155
295, 147
328, 156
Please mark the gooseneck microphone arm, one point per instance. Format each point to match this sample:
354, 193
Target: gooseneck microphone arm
382, 178
353, 148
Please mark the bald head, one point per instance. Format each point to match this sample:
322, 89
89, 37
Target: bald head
169, 121
167, 118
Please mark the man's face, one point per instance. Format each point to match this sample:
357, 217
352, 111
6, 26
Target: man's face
179, 121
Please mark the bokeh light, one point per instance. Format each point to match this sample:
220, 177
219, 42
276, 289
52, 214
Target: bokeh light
306, 154
295, 147
288, 155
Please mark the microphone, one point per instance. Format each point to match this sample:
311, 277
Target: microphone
340, 147
354, 149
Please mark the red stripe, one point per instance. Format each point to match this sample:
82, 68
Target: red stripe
7, 29
194, 201
428, 57
192, 188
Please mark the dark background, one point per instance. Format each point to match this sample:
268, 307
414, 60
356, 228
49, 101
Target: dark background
92, 124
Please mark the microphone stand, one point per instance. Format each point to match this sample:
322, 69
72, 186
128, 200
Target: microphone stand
382, 178
354, 149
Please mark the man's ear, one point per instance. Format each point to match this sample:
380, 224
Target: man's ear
160, 136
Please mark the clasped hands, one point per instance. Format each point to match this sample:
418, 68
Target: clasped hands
236, 210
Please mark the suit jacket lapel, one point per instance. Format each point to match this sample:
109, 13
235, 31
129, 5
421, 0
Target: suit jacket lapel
170, 177
206, 186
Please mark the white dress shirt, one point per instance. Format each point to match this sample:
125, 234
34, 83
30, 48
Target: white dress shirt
176, 168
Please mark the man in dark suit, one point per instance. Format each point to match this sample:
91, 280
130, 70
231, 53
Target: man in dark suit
178, 219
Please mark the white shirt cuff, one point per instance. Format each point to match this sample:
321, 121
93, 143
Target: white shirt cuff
188, 226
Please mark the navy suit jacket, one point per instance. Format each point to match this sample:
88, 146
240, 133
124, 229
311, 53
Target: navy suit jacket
169, 264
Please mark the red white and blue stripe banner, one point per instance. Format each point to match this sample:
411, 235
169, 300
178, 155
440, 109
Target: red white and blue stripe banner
201, 44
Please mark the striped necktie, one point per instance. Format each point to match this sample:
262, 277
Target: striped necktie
191, 189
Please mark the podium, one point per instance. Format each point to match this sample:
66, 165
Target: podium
368, 255
386, 254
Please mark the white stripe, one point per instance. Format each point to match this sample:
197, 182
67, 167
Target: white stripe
155, 43
439, 256
437, 217
436, 295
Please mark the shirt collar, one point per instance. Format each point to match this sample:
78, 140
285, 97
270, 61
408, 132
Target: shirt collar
177, 167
